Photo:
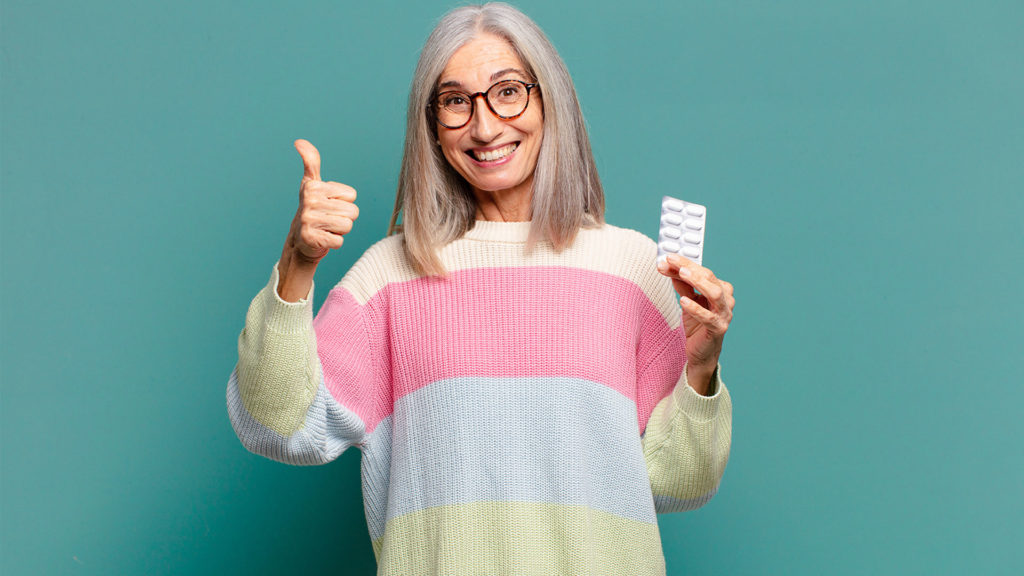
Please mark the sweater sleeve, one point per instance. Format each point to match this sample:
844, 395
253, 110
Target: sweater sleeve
687, 436
277, 399
686, 445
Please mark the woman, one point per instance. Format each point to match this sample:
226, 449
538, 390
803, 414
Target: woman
517, 374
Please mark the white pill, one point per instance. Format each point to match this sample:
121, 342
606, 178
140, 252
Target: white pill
673, 205
669, 246
673, 219
694, 210
691, 252
694, 224
671, 232
692, 238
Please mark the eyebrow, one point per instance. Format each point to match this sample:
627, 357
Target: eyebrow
494, 77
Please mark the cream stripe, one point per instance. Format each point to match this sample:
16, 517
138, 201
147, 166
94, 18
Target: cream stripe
610, 249
528, 538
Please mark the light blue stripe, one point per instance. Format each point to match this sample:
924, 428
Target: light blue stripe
667, 504
555, 440
376, 474
329, 429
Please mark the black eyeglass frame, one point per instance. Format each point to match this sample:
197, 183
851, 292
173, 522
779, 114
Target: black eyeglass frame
436, 102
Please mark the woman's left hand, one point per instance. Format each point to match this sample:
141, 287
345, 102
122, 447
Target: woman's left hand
706, 315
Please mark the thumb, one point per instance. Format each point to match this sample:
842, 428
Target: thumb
310, 159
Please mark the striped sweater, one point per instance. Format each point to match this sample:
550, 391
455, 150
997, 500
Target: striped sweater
527, 415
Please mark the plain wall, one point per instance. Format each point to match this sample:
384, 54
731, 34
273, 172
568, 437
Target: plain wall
863, 168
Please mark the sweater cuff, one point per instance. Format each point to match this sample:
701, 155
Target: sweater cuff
286, 317
696, 406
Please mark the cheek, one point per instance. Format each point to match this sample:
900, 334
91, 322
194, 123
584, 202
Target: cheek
450, 150
537, 135
534, 127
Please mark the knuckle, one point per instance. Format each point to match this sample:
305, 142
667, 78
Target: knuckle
714, 292
345, 224
335, 241
339, 190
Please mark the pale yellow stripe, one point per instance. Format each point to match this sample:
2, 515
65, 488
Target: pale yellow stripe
610, 249
528, 538
687, 440
277, 361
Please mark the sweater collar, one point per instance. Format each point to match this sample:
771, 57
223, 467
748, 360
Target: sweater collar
493, 231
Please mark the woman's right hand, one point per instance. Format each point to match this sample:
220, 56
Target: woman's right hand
326, 213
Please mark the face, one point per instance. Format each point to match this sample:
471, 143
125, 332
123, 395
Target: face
495, 156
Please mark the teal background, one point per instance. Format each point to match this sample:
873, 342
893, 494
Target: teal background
863, 165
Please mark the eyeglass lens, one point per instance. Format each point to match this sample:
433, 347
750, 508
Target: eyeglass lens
507, 99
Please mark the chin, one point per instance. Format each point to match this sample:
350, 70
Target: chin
494, 186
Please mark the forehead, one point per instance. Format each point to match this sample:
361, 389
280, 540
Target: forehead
473, 64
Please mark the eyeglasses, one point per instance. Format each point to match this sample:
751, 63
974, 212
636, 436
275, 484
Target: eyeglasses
507, 99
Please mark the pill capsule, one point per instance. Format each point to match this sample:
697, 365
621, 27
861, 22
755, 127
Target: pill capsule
669, 246
673, 205
695, 210
671, 232
694, 224
692, 238
672, 219
691, 251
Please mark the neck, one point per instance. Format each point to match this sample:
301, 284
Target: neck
512, 205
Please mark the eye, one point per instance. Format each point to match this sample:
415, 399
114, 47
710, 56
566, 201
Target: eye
508, 92
454, 100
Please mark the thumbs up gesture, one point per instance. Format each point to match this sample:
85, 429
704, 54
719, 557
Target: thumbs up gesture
326, 213
326, 209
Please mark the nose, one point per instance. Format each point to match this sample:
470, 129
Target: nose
484, 126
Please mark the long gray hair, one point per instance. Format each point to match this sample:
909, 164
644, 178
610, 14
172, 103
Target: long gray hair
436, 204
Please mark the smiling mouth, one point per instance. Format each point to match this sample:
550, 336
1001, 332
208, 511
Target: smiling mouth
493, 155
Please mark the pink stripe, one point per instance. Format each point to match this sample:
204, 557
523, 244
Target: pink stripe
499, 322
357, 374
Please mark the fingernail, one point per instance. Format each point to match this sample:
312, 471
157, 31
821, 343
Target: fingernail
684, 271
662, 265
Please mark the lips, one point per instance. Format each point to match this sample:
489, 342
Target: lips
493, 154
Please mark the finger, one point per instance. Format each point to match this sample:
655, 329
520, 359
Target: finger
310, 159
675, 273
339, 225
320, 239
325, 190
702, 314
332, 241
683, 264
699, 279
716, 293
337, 208
321, 242
339, 191
323, 209
683, 289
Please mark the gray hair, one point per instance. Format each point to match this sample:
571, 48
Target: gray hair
436, 204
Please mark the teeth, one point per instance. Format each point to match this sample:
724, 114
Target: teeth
492, 155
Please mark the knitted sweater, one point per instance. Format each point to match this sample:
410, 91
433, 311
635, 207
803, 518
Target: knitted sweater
527, 415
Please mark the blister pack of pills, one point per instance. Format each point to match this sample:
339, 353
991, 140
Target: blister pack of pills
682, 229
